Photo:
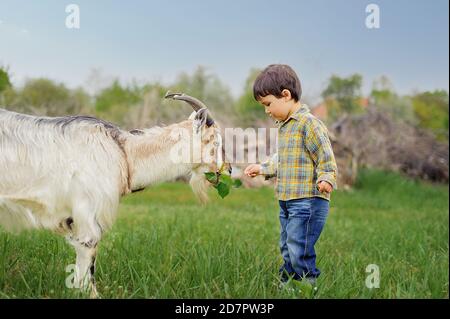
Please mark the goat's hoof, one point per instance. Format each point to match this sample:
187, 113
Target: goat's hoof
94, 293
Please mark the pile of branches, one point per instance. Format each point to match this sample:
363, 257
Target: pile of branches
374, 139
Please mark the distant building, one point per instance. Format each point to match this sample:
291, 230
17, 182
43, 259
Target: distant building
364, 102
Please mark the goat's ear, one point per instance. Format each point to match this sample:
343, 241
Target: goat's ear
200, 118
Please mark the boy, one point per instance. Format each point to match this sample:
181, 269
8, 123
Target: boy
305, 168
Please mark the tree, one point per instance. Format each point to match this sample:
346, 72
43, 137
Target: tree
6, 90
4, 79
208, 88
116, 94
114, 102
128, 104
249, 110
384, 97
343, 95
45, 97
382, 90
431, 109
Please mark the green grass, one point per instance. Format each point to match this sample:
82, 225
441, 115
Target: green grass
165, 245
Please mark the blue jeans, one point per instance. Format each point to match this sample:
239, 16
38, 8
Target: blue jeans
302, 221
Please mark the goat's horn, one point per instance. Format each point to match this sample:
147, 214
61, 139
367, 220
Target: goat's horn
195, 103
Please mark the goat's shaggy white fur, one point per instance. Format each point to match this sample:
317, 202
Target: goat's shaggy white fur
68, 174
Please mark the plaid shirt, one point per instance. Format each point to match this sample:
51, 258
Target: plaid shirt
304, 157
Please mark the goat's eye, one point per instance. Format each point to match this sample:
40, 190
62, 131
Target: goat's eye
216, 143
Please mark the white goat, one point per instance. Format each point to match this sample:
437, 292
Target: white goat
67, 174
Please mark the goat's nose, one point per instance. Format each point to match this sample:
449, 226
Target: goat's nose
230, 169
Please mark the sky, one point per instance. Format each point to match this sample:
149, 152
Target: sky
157, 40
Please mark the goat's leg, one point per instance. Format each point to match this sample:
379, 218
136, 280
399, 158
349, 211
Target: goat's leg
86, 257
85, 235
85, 267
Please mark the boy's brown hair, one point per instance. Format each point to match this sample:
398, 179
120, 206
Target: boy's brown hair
274, 79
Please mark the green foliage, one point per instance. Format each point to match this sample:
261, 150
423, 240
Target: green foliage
384, 97
431, 109
142, 105
223, 183
211, 177
382, 90
44, 93
4, 79
208, 88
45, 97
117, 95
9, 97
343, 95
128, 105
427, 110
7, 92
250, 110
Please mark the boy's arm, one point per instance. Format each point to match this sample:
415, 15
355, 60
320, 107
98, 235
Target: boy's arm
318, 144
269, 167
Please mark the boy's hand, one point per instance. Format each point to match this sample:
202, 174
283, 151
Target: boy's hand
252, 170
324, 187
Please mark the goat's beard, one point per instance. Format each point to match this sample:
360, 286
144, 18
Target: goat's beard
199, 186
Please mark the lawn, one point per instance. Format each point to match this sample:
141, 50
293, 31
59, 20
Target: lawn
165, 245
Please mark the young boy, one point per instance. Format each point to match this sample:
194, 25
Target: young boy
305, 168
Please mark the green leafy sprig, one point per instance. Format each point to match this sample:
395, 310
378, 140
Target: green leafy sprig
223, 183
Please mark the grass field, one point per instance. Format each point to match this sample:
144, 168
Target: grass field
164, 245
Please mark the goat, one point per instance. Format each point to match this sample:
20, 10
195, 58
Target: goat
67, 174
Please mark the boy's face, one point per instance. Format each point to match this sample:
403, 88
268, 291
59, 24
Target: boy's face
277, 108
